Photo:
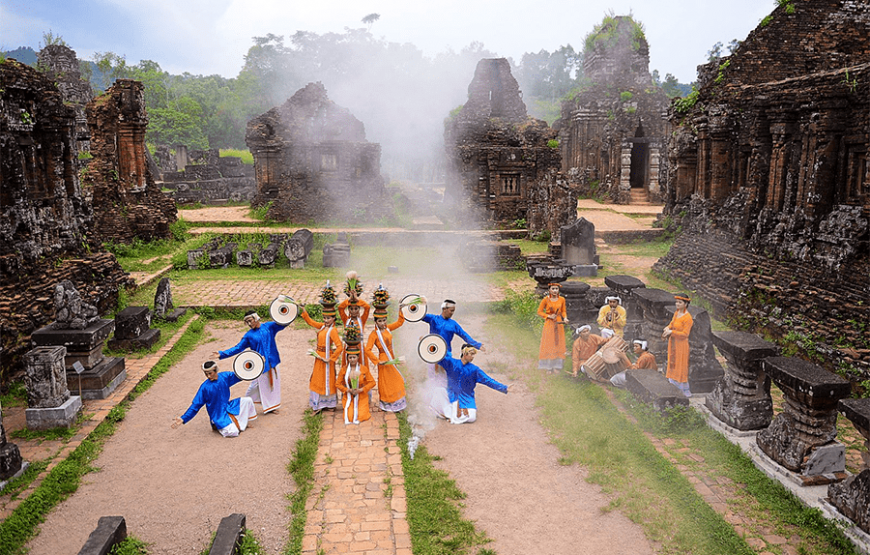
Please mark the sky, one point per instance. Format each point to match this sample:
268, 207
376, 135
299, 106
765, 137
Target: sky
212, 36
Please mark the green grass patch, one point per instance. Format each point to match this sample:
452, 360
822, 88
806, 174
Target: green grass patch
434, 516
244, 154
15, 396
17, 485
301, 468
131, 545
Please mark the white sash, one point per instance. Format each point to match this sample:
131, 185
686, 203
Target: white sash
347, 397
328, 358
389, 354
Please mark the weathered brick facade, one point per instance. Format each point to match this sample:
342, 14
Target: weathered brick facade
313, 162
44, 217
769, 178
127, 201
497, 153
613, 133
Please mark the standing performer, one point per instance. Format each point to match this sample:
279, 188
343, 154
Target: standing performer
612, 315
462, 377
266, 389
645, 360
585, 345
677, 334
552, 309
329, 348
355, 381
391, 384
353, 308
228, 417
446, 327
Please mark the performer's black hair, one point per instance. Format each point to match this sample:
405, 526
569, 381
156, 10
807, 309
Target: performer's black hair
449, 301
208, 365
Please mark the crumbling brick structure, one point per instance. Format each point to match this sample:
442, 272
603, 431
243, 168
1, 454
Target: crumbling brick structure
497, 153
127, 201
770, 179
312, 161
44, 217
613, 133
61, 65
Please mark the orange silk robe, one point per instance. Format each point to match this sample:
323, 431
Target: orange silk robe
366, 383
553, 336
678, 347
585, 349
646, 360
317, 383
364, 315
391, 385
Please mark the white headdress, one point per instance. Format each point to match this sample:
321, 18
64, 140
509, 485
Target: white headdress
613, 298
643, 344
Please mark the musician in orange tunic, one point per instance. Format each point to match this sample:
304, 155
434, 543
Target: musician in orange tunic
677, 334
329, 348
584, 347
552, 309
391, 384
355, 381
645, 360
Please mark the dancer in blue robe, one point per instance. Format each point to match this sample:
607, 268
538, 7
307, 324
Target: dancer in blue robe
266, 389
229, 417
446, 327
462, 378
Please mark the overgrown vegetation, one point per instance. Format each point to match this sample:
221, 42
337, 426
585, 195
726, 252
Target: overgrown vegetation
434, 517
684, 105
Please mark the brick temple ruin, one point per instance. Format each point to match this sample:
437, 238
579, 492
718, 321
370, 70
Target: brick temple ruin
45, 216
613, 133
203, 176
769, 177
502, 161
127, 201
62, 66
313, 162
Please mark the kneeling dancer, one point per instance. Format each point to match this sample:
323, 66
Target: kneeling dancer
228, 417
462, 377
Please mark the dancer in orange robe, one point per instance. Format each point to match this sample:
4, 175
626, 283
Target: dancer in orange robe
356, 399
552, 309
677, 334
329, 348
391, 384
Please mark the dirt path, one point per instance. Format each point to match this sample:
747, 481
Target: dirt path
517, 492
174, 486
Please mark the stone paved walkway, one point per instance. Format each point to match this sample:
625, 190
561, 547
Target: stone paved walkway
358, 501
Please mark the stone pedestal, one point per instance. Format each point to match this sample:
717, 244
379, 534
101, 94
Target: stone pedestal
545, 273
623, 287
48, 399
102, 375
164, 308
852, 496
803, 437
133, 330
578, 247
741, 399
61, 416
652, 387
655, 308
575, 301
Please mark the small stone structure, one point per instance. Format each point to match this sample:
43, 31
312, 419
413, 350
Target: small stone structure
769, 179
204, 176
490, 256
498, 154
110, 531
164, 309
298, 247
578, 247
741, 399
127, 201
852, 496
651, 387
70, 311
313, 162
337, 254
133, 330
10, 455
613, 132
49, 402
802, 438
44, 215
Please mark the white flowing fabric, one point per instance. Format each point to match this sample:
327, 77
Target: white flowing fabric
261, 391
348, 398
247, 412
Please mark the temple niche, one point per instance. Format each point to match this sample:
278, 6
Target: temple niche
313, 162
613, 133
498, 155
770, 181
128, 203
44, 216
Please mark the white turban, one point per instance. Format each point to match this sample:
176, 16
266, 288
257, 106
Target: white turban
643, 344
606, 333
614, 298
581, 329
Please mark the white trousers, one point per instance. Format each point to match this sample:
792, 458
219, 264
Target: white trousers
247, 412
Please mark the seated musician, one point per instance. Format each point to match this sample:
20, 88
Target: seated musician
645, 359
585, 345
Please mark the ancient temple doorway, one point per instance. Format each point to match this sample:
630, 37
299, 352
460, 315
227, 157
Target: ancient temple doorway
639, 160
